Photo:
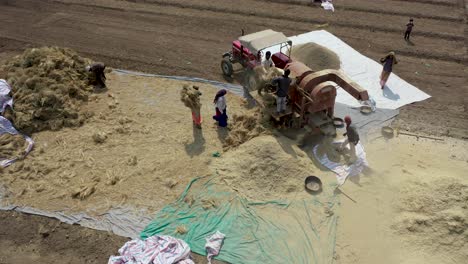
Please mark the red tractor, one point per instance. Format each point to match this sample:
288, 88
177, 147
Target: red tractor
248, 50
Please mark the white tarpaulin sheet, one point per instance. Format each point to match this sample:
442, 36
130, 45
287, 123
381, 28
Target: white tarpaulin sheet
327, 5
153, 250
344, 171
5, 99
364, 71
7, 127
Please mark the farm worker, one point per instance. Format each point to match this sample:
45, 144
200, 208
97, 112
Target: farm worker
191, 98
220, 107
352, 138
282, 83
196, 113
268, 62
258, 58
388, 61
409, 28
97, 69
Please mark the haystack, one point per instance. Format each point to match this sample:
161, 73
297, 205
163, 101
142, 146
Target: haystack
49, 85
244, 128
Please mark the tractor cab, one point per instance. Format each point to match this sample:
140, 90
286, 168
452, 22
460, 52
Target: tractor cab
248, 50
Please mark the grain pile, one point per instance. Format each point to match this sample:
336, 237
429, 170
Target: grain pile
265, 168
433, 216
48, 85
316, 57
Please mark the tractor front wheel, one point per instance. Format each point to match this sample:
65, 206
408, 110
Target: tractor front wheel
226, 66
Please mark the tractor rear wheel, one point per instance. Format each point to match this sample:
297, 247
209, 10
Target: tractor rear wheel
226, 66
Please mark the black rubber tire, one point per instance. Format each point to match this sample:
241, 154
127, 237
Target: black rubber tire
226, 67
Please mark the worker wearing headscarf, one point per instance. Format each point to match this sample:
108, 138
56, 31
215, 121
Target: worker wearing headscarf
220, 107
388, 61
352, 138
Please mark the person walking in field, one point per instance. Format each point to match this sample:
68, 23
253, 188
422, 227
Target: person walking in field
388, 61
409, 28
220, 108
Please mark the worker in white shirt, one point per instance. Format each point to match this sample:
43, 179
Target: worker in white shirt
268, 62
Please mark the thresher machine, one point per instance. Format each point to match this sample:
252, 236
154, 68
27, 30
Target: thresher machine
311, 99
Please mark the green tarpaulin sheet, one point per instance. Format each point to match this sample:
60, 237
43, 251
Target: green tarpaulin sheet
299, 231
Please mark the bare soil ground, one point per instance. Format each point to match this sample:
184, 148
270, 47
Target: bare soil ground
187, 37
29, 238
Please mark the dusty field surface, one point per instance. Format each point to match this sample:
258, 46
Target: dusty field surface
187, 37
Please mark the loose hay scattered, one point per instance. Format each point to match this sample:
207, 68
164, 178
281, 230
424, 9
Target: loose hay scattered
99, 137
132, 161
171, 183
189, 200
315, 56
84, 192
181, 230
209, 203
244, 128
112, 178
48, 85
12, 146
